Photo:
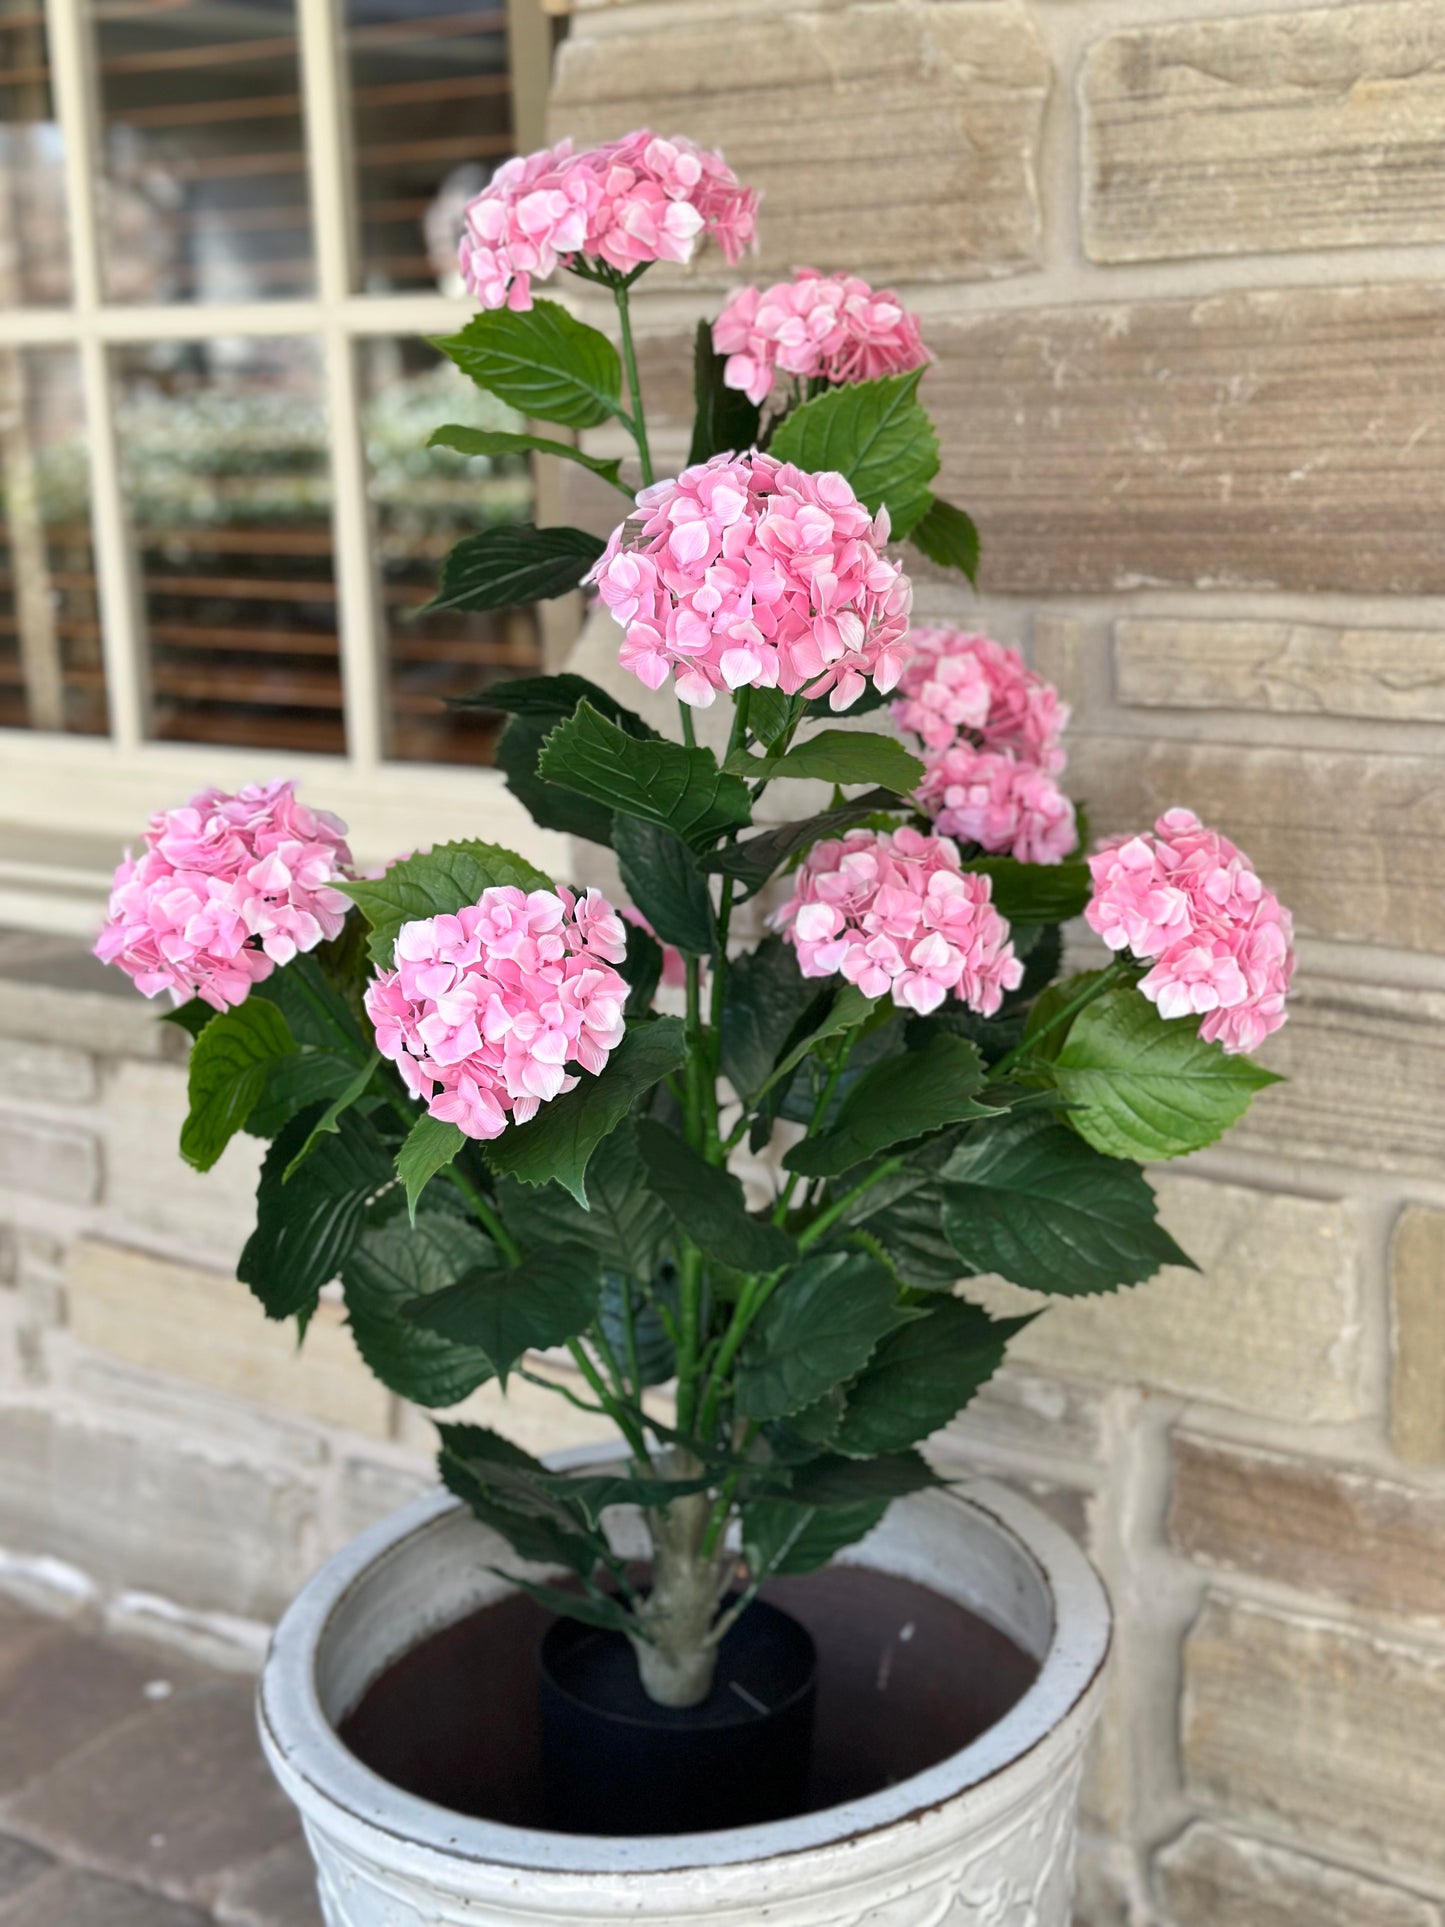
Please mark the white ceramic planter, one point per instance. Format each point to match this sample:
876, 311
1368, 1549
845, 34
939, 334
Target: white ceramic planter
983, 1839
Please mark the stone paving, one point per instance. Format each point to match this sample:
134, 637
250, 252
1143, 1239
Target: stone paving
132, 1789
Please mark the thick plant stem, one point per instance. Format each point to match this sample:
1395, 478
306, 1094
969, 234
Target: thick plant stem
674, 1654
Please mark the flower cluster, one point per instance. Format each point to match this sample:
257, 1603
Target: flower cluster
897, 912
829, 327
226, 888
625, 203
746, 571
990, 798
486, 1008
1187, 900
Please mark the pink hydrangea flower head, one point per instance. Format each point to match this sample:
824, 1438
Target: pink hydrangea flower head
957, 684
829, 327
895, 913
486, 1008
626, 203
747, 571
1185, 899
226, 887
991, 798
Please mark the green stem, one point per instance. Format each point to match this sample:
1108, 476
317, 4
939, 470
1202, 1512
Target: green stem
820, 1111
638, 424
829, 1217
551, 1385
754, 1295
689, 1292
1106, 980
684, 713
486, 1216
620, 1416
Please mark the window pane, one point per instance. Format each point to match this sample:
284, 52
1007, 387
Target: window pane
226, 467
34, 263
432, 101
425, 499
50, 664
205, 152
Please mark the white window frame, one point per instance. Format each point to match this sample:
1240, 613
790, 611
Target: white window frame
65, 798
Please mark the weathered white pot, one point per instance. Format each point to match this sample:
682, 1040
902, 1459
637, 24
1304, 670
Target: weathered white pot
983, 1839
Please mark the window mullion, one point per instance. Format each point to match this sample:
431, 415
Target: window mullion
328, 146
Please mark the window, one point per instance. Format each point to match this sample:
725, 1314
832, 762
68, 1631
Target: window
226, 228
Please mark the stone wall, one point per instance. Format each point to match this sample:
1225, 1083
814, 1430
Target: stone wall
1180, 263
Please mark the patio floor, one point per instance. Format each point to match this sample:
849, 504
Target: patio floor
133, 1792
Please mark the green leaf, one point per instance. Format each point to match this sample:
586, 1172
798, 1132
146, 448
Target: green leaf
191, 1016
780, 1539
431, 1146
834, 1480
848, 1009
329, 1121
559, 1141
316, 1012
922, 1376
394, 1266
433, 883
900, 1099
819, 1328
591, 1608
549, 700
1143, 1086
496, 441
544, 362
877, 434
661, 782
626, 1224
514, 563
549, 1298
663, 880
593, 1492
846, 756
708, 1203
656, 1357
228, 1067
1029, 1200
753, 862
910, 1230
307, 1229
765, 997
298, 1082
1035, 892
508, 1490
548, 804
726, 421
948, 537
641, 969
769, 711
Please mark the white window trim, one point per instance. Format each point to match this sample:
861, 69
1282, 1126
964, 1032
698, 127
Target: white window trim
91, 792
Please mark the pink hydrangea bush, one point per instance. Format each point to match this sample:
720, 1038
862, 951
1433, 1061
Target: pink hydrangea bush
828, 327
895, 913
226, 888
624, 204
747, 572
956, 684
1187, 900
486, 1008
990, 798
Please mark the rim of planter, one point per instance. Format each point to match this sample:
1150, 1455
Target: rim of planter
306, 1750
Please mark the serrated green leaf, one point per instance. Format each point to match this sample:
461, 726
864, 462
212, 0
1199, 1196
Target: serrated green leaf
708, 1203
921, 1377
550, 1297
544, 362
393, 1266
315, 1010
877, 434
433, 883
660, 782
766, 995
559, 1141
307, 1229
1143, 1086
228, 1067
835, 1480
768, 713
663, 880
296, 1083
725, 419
625, 1223
508, 1490
819, 1328
753, 862
948, 537
781, 1540
844, 756
848, 1009
497, 441
591, 1608
432, 1144
549, 700
513, 564
329, 1121
1029, 1200
1035, 892
898, 1100
549, 805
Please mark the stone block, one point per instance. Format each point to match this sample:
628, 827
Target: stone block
53, 990
1273, 439
151, 1196
1210, 1876
205, 1327
174, 1800
1282, 668
149, 1511
278, 1891
1321, 1527
41, 1159
1312, 128
20, 1864
68, 1897
1025, 1412
1365, 1071
193, 1411
1350, 842
45, 1073
1326, 1731
1270, 1323
1417, 1336
901, 142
